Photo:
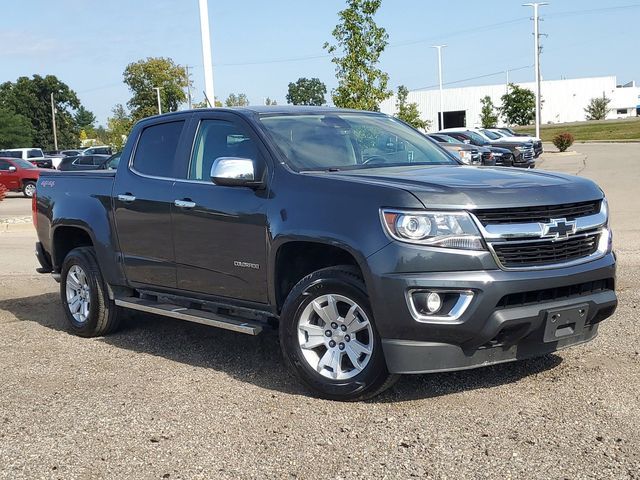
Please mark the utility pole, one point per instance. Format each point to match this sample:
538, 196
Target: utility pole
440, 47
507, 84
53, 118
206, 52
536, 43
186, 67
157, 89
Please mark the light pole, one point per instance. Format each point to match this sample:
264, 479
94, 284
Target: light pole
440, 47
157, 89
536, 43
206, 53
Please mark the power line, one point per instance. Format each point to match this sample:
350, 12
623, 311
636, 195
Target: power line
501, 72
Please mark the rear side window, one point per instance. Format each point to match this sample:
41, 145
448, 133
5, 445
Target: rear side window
157, 148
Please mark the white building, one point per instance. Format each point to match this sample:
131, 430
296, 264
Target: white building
563, 101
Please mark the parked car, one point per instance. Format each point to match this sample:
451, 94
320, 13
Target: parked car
18, 175
33, 155
98, 150
504, 133
70, 153
522, 153
467, 154
370, 248
83, 162
487, 157
112, 162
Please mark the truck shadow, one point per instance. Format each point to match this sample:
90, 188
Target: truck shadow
258, 360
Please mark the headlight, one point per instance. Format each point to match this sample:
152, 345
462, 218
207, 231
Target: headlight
435, 229
497, 154
465, 156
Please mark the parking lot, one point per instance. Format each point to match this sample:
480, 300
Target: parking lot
167, 399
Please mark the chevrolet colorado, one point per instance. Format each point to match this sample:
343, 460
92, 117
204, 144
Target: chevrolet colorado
371, 249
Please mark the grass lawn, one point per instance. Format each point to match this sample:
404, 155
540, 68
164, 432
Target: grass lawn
627, 129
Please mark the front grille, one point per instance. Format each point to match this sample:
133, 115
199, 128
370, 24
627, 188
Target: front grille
534, 297
544, 214
545, 252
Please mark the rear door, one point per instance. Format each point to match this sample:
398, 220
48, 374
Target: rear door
10, 180
220, 233
142, 200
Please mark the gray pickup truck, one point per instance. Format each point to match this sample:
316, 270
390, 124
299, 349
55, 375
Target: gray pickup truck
371, 249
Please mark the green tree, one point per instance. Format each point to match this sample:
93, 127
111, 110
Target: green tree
234, 100
15, 130
143, 76
488, 113
359, 44
85, 120
598, 108
518, 106
269, 101
31, 98
307, 91
408, 112
118, 127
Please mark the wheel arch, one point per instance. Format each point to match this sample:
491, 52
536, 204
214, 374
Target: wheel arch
295, 258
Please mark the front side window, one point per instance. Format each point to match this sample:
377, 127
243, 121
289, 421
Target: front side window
84, 160
491, 135
24, 164
4, 165
220, 138
156, 150
350, 141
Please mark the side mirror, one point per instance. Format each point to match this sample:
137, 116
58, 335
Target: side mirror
13, 169
467, 141
234, 172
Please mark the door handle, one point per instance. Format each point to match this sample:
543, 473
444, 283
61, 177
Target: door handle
184, 204
126, 198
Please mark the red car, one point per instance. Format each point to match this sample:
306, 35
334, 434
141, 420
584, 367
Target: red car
18, 175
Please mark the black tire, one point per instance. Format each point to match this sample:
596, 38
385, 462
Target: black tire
344, 281
103, 316
28, 189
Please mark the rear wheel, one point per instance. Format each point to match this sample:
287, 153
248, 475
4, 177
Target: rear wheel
328, 336
28, 189
89, 310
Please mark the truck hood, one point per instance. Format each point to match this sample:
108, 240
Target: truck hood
477, 187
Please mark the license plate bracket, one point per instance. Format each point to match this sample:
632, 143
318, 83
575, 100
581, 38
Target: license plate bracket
565, 322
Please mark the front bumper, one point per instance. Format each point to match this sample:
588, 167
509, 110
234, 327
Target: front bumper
486, 332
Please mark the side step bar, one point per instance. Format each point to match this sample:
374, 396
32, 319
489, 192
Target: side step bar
190, 315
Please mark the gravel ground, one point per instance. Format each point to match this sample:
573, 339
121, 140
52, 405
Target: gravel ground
165, 399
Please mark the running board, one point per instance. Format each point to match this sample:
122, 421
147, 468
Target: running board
191, 315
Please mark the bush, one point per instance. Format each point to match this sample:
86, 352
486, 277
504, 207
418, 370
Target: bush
562, 141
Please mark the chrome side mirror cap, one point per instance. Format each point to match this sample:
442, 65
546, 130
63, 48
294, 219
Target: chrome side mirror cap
234, 172
13, 169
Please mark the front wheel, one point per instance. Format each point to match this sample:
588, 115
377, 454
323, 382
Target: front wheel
28, 189
328, 336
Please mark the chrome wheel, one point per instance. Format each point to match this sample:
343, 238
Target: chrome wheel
78, 294
29, 189
335, 336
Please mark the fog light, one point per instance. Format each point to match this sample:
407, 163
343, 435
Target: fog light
434, 302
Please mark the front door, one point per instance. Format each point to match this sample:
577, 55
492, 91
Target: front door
220, 233
10, 180
142, 201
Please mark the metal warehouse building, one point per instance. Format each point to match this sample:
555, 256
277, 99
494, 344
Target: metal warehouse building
563, 101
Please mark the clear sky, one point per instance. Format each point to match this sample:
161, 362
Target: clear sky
260, 46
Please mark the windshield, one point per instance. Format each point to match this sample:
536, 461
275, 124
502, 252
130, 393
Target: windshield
350, 141
491, 135
478, 139
23, 163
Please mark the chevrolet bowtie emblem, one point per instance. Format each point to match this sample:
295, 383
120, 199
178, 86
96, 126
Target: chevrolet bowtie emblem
558, 228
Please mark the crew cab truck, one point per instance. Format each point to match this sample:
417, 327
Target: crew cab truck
371, 249
18, 175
